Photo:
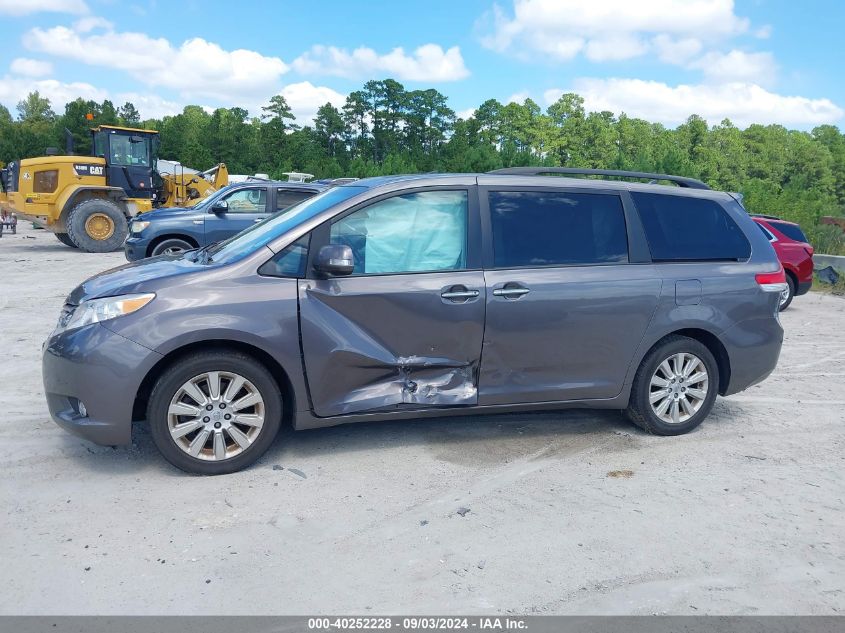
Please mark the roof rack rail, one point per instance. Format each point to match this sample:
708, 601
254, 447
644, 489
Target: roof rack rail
765, 217
681, 181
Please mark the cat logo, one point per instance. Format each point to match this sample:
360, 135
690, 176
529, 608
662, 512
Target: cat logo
83, 169
26, 175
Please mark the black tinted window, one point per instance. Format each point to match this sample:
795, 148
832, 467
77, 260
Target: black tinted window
288, 197
544, 228
681, 228
792, 231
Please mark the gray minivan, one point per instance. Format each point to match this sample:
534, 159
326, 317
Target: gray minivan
426, 295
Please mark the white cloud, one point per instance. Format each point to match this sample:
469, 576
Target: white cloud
196, 69
14, 89
614, 47
759, 68
428, 63
30, 67
91, 22
304, 99
517, 97
465, 114
605, 29
742, 103
676, 51
764, 32
27, 7
150, 106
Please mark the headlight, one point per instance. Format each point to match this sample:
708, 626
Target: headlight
96, 310
138, 225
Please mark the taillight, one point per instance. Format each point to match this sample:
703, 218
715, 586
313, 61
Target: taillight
809, 250
772, 282
778, 277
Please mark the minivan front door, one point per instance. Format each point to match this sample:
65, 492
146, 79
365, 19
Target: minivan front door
404, 330
565, 308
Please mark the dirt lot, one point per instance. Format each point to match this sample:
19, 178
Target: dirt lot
572, 512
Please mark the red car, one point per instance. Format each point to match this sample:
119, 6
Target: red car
794, 253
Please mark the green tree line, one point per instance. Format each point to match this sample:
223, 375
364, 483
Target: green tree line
383, 128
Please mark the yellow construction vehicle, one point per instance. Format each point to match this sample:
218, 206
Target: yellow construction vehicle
185, 189
87, 201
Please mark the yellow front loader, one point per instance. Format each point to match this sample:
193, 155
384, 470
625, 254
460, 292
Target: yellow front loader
87, 201
181, 189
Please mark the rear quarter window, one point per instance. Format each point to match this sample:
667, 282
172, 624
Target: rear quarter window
792, 231
682, 228
286, 198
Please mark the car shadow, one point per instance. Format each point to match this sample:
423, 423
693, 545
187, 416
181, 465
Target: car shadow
460, 439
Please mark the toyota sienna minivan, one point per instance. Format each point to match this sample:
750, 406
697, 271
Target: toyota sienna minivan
426, 295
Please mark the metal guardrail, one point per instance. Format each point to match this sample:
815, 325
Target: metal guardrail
837, 262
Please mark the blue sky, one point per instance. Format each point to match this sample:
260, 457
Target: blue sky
751, 60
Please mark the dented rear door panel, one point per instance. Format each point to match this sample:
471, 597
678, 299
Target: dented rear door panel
572, 337
381, 343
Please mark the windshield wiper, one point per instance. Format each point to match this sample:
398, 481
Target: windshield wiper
202, 253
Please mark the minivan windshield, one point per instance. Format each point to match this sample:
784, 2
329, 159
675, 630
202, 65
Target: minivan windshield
278, 224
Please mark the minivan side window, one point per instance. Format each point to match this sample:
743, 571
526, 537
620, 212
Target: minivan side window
555, 228
683, 229
416, 232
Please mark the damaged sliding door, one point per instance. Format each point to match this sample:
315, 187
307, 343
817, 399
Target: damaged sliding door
405, 329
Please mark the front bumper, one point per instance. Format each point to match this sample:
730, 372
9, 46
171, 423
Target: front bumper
135, 248
100, 369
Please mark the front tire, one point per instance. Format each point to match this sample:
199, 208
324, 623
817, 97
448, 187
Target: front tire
172, 246
64, 239
97, 226
674, 388
214, 413
786, 299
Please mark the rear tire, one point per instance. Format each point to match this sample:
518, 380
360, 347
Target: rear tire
784, 302
97, 226
64, 239
648, 392
172, 246
184, 399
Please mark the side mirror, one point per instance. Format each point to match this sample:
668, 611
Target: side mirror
335, 259
220, 206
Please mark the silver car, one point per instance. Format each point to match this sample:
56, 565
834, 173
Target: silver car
426, 295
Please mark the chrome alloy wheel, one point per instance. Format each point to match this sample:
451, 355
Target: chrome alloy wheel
216, 415
678, 388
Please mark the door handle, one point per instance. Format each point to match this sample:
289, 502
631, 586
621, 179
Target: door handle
257, 220
459, 294
511, 293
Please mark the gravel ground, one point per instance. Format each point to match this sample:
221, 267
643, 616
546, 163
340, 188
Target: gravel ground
574, 512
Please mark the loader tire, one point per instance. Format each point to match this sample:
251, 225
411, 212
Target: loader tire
97, 226
64, 239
